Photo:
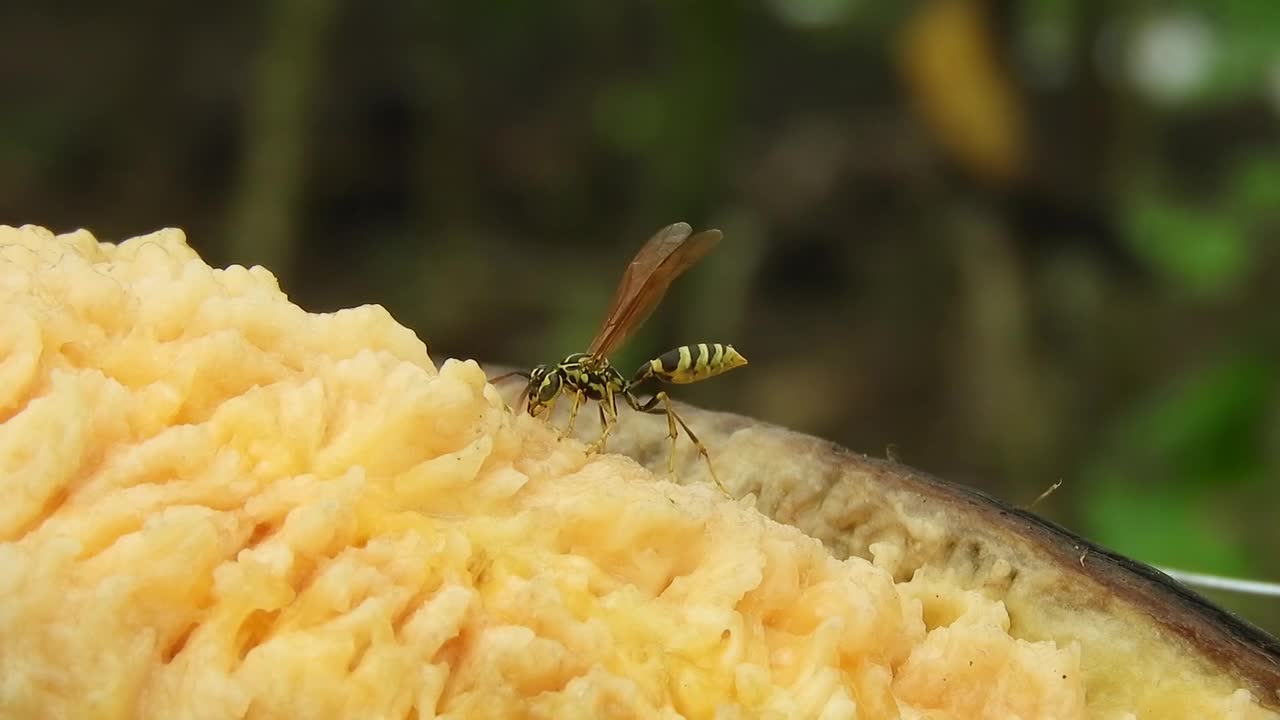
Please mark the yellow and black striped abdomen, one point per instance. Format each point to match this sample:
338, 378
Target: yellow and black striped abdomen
691, 363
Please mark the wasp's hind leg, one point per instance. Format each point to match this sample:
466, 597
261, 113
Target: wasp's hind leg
673, 417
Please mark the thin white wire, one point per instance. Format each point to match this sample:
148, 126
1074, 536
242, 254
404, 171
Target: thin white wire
1217, 582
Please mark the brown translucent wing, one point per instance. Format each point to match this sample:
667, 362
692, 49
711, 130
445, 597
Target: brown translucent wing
665, 256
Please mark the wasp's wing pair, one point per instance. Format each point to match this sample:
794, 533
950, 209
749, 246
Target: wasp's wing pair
665, 257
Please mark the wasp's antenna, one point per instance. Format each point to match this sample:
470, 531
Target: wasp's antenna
504, 376
519, 406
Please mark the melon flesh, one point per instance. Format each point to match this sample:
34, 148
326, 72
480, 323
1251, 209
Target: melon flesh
216, 505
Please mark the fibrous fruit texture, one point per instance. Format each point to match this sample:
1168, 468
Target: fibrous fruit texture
217, 505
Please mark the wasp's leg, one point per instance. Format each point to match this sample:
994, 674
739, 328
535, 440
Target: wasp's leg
652, 408
608, 416
673, 417
573, 413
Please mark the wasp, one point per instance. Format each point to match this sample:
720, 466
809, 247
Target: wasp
589, 376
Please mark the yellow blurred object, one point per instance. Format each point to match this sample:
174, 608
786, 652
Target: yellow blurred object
962, 91
217, 505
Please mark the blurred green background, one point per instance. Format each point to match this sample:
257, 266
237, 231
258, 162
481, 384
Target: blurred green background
1010, 242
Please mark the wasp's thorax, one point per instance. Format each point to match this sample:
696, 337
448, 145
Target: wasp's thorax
581, 375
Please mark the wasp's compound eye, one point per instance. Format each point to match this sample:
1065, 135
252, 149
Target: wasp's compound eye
548, 388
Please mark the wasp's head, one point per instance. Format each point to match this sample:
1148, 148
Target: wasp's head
544, 385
